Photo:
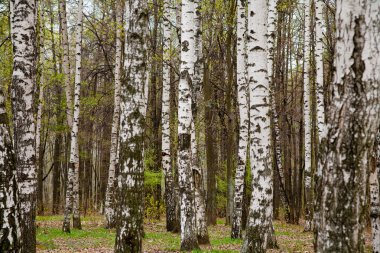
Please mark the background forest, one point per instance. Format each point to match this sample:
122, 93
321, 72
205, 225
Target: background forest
145, 111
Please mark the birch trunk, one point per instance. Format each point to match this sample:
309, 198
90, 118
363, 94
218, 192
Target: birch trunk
170, 202
110, 192
243, 100
307, 118
259, 235
39, 158
272, 19
375, 195
66, 61
188, 229
319, 27
23, 33
73, 173
353, 123
60, 121
130, 211
321, 121
9, 219
199, 197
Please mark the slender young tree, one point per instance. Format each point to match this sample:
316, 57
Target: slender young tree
199, 197
23, 33
243, 99
72, 192
276, 139
170, 202
321, 119
130, 193
9, 221
307, 117
39, 155
66, 60
319, 28
188, 229
353, 123
110, 192
259, 235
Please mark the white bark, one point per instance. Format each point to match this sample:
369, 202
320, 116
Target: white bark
243, 101
39, 159
23, 20
352, 127
188, 229
66, 62
73, 173
372, 75
109, 202
259, 234
319, 27
321, 121
9, 221
170, 202
197, 80
307, 117
130, 191
41, 85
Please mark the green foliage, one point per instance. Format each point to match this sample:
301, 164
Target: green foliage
149, 159
151, 206
152, 178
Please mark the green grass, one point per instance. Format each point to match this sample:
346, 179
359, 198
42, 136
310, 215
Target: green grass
225, 240
93, 236
47, 237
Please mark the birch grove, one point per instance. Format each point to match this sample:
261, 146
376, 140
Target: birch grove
189, 125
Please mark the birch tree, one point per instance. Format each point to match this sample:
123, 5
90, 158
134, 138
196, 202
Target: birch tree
185, 117
39, 157
259, 235
199, 198
272, 18
170, 201
243, 99
23, 33
321, 121
110, 192
66, 61
352, 127
307, 117
72, 192
9, 221
319, 27
130, 213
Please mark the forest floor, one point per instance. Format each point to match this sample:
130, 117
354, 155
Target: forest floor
93, 238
